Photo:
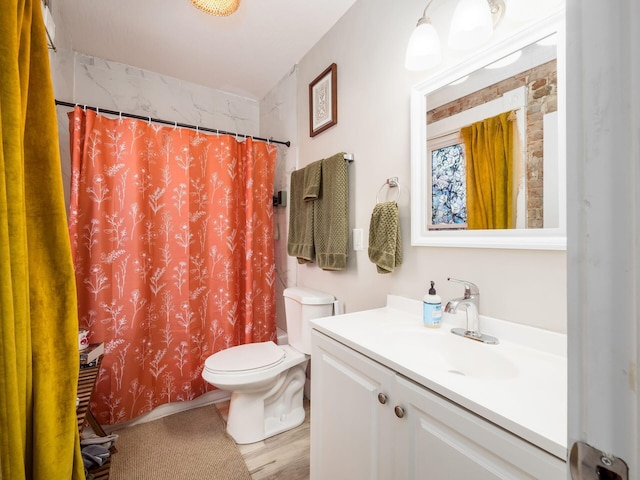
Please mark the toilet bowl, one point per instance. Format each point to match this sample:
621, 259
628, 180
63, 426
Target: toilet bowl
267, 380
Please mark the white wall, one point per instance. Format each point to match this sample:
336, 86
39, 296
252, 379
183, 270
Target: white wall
368, 45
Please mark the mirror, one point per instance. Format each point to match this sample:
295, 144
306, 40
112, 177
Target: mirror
472, 92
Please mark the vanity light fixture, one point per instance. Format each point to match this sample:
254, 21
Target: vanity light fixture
424, 49
472, 25
219, 8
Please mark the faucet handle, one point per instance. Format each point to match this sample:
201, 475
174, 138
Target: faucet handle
469, 288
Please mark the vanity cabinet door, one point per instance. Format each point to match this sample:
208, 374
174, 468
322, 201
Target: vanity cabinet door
443, 441
351, 416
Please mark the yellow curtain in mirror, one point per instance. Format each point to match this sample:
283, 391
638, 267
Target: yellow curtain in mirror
489, 146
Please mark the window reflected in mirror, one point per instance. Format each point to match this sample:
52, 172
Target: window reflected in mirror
448, 183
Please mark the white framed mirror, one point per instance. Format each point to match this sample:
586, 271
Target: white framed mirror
445, 103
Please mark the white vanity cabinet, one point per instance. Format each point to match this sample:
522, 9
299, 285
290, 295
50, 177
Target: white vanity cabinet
351, 434
369, 422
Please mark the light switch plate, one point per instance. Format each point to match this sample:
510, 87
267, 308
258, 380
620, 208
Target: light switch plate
357, 239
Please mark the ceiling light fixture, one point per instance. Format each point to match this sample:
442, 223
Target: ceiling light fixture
219, 8
472, 24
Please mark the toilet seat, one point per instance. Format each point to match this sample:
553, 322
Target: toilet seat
250, 357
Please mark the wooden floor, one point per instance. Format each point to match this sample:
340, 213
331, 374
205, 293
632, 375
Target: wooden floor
282, 457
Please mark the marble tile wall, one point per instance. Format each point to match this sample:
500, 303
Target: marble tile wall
115, 86
110, 85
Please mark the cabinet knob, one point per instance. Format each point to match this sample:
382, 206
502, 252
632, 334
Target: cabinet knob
382, 398
399, 411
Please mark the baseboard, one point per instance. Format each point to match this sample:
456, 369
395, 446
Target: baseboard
215, 396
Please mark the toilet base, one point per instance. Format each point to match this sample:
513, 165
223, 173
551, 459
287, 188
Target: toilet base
274, 426
259, 415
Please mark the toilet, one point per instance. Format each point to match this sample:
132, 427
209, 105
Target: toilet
266, 380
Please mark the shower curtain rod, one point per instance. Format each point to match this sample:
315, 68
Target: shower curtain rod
167, 122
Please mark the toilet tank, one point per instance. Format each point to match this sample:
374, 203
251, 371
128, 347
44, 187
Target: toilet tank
300, 306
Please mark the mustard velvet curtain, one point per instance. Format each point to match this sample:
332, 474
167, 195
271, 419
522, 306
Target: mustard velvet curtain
489, 147
38, 313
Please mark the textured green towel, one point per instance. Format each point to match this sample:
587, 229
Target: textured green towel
300, 239
331, 215
385, 245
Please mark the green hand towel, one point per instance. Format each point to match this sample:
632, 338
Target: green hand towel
385, 245
331, 215
300, 238
312, 180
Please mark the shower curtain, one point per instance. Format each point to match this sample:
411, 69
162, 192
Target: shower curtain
172, 238
39, 437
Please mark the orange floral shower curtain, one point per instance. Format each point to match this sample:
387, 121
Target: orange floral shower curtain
172, 238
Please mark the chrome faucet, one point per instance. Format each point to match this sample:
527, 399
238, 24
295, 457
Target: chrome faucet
471, 302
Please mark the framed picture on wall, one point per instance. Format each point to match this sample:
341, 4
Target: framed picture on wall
323, 101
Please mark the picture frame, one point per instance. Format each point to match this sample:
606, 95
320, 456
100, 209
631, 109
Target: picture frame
323, 101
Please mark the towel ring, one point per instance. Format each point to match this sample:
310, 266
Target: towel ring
391, 183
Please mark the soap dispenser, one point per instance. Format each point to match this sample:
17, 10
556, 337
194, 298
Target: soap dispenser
432, 308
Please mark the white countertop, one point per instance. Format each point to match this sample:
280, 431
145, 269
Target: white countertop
526, 392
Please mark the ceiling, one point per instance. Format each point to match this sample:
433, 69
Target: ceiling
245, 54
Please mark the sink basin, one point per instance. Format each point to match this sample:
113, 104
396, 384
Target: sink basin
454, 354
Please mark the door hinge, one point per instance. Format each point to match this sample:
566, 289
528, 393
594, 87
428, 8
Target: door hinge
589, 463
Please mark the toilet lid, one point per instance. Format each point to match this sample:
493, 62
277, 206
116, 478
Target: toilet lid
245, 357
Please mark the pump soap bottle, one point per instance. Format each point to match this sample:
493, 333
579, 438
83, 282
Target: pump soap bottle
432, 308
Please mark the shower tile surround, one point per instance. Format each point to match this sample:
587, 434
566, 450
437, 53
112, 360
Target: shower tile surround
114, 86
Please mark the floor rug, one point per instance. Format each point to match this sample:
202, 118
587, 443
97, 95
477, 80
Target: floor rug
188, 445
